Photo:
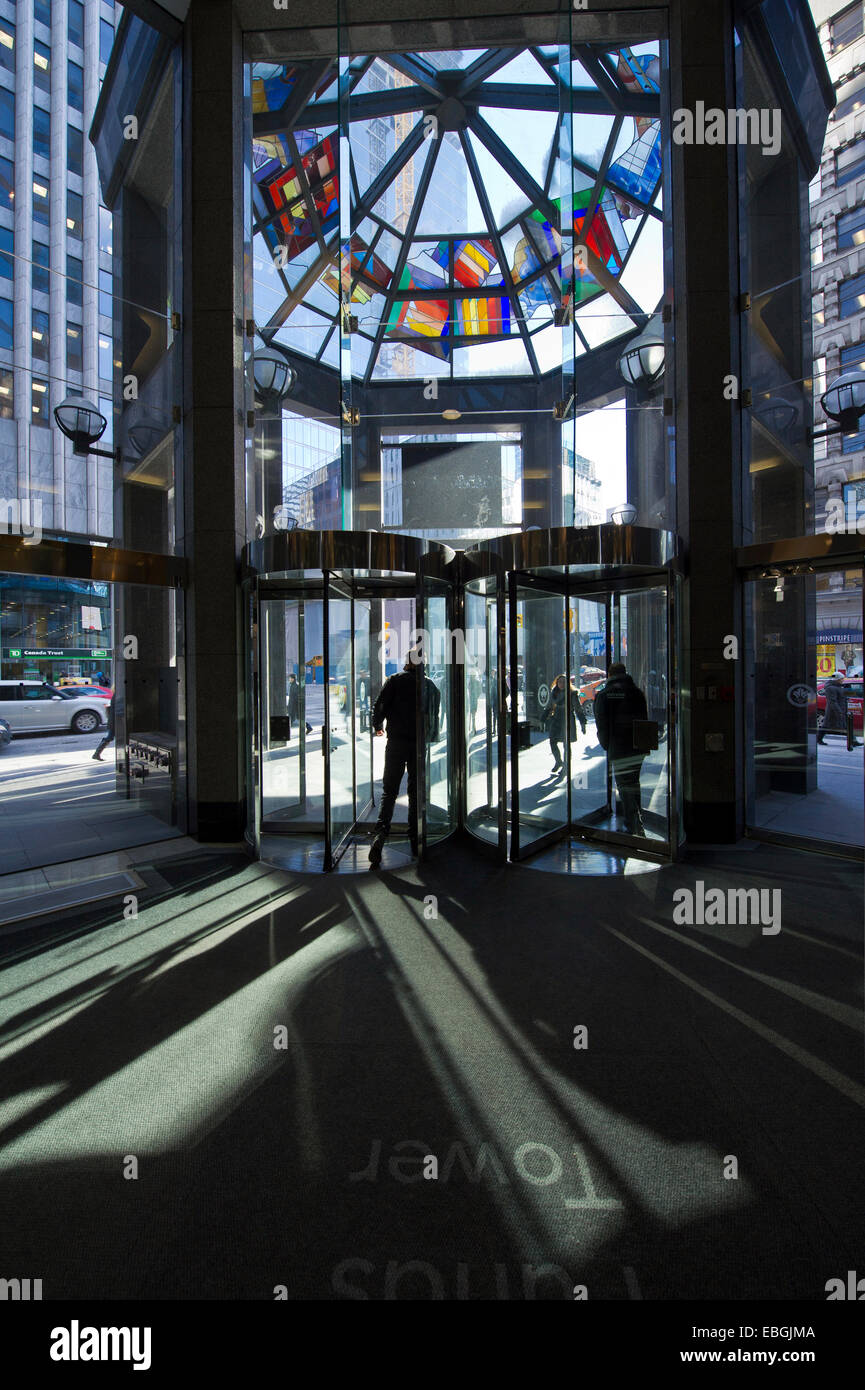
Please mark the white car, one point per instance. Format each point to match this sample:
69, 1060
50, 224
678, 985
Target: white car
35, 707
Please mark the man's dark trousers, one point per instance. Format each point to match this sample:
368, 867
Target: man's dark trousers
400, 756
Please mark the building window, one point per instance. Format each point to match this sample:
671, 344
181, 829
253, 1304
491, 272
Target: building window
39, 396
7, 183
818, 315
42, 66
74, 347
39, 350
106, 231
106, 293
7, 337
817, 246
850, 229
105, 366
106, 40
853, 99
76, 23
850, 163
41, 132
41, 273
74, 214
847, 26
42, 12
74, 280
74, 150
7, 113
7, 45
40, 201
7, 248
815, 187
851, 296
107, 408
7, 394
75, 79
820, 449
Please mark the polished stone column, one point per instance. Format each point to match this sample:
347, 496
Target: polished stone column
213, 414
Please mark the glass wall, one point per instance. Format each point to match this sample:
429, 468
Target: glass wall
92, 691
459, 257
778, 461
137, 135
804, 706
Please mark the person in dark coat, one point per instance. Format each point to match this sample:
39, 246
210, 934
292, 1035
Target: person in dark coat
109, 737
293, 701
556, 717
617, 705
396, 705
835, 713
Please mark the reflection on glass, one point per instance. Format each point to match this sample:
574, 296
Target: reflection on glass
641, 646
541, 657
587, 629
292, 671
340, 715
439, 752
804, 706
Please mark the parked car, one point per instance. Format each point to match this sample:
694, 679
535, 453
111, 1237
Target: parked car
5, 735
853, 687
99, 692
35, 707
591, 680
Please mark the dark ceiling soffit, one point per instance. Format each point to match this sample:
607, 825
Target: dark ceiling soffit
823, 552
145, 99
104, 564
752, 19
153, 14
367, 35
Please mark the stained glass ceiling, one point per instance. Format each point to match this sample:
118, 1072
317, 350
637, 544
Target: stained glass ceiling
459, 167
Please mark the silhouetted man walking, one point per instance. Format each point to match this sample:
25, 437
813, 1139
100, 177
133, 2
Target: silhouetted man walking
617, 706
397, 705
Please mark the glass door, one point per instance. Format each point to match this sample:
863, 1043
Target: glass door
541, 716
437, 801
339, 702
291, 705
620, 789
589, 657
485, 689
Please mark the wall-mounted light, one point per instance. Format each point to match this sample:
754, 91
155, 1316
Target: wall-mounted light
625, 515
643, 359
82, 422
844, 402
273, 376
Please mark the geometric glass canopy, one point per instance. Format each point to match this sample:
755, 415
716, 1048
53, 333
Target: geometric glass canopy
493, 196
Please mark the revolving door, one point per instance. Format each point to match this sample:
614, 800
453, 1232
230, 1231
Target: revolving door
517, 638
554, 752
331, 615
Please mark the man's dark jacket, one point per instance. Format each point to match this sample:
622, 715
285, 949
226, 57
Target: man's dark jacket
616, 707
397, 703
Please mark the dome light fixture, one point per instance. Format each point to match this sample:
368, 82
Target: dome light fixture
643, 359
83, 422
844, 401
625, 515
273, 376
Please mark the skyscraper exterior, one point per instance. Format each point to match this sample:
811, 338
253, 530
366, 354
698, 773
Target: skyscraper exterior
56, 309
838, 308
55, 297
